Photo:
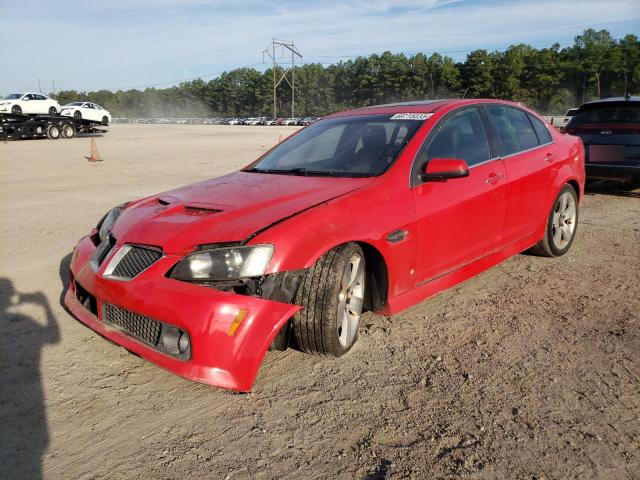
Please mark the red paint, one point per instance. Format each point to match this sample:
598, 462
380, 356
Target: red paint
456, 228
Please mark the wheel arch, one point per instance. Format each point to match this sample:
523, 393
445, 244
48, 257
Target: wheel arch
377, 278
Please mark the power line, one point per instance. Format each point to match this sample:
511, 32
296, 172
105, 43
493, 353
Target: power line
271, 52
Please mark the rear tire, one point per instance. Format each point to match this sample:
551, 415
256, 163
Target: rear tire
77, 115
105, 121
53, 112
16, 110
53, 132
561, 225
68, 131
332, 293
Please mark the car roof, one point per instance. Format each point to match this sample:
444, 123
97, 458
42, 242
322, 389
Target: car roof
613, 100
422, 106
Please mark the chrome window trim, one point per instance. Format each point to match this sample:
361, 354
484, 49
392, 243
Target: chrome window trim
527, 150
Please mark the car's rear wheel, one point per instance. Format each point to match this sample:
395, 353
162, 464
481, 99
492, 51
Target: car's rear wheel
68, 131
16, 110
53, 132
332, 294
561, 225
105, 121
77, 115
52, 111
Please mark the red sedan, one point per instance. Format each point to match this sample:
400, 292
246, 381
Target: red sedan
370, 209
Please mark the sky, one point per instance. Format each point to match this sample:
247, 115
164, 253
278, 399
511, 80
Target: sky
121, 44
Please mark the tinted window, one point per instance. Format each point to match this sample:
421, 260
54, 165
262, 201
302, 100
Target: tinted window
363, 145
462, 136
541, 130
514, 129
39, 97
607, 113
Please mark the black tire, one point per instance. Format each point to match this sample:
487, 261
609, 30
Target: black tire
77, 115
52, 111
316, 329
16, 110
53, 132
549, 246
105, 121
68, 131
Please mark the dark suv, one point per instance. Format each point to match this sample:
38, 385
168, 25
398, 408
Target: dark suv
610, 131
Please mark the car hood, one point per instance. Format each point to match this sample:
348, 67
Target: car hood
225, 209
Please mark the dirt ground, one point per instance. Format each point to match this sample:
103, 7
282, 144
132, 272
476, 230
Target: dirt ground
530, 370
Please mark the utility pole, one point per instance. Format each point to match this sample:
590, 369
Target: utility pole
271, 52
39, 87
53, 85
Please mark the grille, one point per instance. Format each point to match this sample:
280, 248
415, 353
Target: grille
138, 326
135, 261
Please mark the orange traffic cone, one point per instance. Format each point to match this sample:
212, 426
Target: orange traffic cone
95, 156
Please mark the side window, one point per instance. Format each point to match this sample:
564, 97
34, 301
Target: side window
541, 130
514, 129
40, 97
460, 136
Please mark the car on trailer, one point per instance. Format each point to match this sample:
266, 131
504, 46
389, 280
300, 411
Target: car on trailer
29, 104
610, 131
370, 209
87, 111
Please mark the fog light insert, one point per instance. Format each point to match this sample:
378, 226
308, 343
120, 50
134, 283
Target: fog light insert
175, 342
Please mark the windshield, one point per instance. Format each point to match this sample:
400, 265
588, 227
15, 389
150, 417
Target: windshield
616, 113
13, 96
358, 146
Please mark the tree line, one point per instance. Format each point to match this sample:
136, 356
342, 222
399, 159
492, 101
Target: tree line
549, 80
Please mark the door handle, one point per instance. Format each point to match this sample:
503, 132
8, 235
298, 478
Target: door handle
493, 178
548, 158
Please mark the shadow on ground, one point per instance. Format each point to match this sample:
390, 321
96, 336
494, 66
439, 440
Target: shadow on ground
618, 189
24, 435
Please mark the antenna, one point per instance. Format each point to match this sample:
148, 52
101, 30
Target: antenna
271, 52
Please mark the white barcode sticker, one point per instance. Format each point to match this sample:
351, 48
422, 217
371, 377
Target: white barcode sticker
411, 116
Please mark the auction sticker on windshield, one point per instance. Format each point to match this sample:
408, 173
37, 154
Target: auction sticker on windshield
411, 116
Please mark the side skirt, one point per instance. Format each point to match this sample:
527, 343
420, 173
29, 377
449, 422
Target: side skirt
412, 297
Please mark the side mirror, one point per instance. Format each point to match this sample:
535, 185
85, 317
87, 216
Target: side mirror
25, 99
444, 169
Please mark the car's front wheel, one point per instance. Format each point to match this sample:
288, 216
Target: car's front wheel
105, 121
77, 115
332, 294
561, 225
16, 110
52, 111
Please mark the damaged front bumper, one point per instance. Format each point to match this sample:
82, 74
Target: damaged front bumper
229, 333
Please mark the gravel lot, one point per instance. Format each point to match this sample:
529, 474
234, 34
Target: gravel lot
530, 370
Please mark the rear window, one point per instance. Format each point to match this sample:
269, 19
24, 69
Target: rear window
607, 113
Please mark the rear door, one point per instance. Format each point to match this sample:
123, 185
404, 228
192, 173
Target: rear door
528, 161
459, 220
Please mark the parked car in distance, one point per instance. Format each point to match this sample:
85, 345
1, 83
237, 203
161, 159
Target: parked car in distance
235, 121
308, 120
289, 121
561, 122
370, 209
256, 121
29, 104
610, 131
87, 111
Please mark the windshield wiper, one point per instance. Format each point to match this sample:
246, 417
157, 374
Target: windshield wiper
294, 171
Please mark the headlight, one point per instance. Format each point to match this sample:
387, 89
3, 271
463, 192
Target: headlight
104, 226
224, 263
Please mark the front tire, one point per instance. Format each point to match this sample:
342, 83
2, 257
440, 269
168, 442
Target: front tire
561, 225
53, 112
332, 293
105, 121
16, 110
77, 115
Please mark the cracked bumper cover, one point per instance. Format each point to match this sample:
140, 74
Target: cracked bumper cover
217, 358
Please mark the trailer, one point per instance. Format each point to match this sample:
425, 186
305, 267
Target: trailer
14, 127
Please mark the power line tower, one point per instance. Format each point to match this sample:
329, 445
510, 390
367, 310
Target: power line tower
282, 45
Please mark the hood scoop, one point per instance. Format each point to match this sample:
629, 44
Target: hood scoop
202, 208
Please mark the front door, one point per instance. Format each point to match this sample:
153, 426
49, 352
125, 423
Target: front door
459, 220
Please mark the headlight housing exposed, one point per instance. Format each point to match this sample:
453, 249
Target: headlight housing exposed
104, 226
224, 263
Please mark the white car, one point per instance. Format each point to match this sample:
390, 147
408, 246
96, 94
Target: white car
86, 111
29, 104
